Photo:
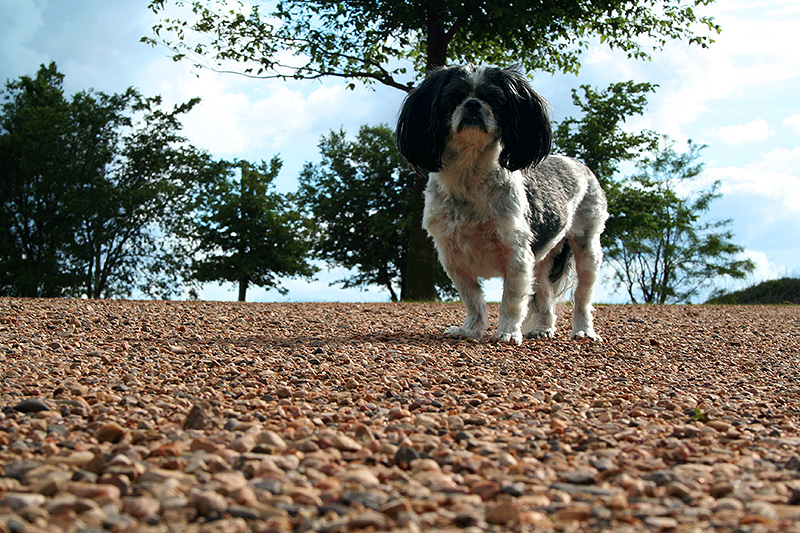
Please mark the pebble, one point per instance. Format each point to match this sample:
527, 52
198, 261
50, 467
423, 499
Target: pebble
19, 501
111, 432
271, 439
361, 476
208, 503
140, 507
31, 405
503, 514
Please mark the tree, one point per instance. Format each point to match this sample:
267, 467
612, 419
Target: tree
360, 194
663, 251
249, 235
35, 221
598, 138
92, 189
394, 41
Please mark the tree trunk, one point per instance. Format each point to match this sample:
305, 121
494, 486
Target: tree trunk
244, 281
419, 282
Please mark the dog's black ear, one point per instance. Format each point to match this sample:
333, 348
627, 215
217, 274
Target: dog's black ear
524, 122
421, 129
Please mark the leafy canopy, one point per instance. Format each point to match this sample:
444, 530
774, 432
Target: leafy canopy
392, 41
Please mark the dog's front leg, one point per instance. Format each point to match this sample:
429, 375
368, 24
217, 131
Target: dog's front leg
517, 285
477, 319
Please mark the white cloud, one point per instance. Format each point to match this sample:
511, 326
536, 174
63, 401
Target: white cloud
740, 134
793, 122
776, 177
750, 52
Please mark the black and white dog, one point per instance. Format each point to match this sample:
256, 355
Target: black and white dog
497, 205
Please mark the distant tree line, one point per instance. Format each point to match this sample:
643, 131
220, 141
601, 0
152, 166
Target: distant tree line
101, 195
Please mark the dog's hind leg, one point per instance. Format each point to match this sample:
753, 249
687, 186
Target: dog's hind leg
588, 256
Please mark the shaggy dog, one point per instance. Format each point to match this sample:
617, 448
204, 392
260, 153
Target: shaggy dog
497, 205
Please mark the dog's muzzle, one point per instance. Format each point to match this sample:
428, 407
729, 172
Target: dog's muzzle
472, 115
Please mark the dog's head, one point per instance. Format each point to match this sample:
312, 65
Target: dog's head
474, 105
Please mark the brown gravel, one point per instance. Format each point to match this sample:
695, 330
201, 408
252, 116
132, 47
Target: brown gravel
198, 416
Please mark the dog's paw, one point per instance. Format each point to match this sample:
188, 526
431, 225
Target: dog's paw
463, 333
541, 333
507, 338
587, 334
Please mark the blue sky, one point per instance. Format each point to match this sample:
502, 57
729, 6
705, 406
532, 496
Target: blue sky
741, 97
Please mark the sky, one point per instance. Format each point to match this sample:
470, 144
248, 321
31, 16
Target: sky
740, 97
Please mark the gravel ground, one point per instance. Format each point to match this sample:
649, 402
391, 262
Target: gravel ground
198, 416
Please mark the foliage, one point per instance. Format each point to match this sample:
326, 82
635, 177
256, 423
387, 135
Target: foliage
360, 195
383, 40
91, 187
247, 234
775, 291
663, 251
598, 138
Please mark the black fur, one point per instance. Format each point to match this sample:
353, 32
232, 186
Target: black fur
422, 127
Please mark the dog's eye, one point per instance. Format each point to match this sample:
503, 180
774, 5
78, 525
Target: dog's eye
492, 95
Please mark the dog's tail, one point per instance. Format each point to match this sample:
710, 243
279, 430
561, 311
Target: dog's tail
560, 274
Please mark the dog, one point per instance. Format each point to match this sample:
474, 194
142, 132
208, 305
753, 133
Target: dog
497, 204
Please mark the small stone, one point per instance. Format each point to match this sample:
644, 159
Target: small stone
208, 503
271, 485
111, 432
345, 443
603, 464
793, 463
582, 476
503, 514
51, 483
197, 418
405, 455
272, 439
720, 489
515, 489
661, 523
368, 498
425, 465
676, 489
393, 508
140, 506
368, 519
283, 392
578, 511
729, 504
304, 496
31, 405
362, 476
617, 501
487, 490
244, 444
65, 502
761, 508
205, 445
19, 501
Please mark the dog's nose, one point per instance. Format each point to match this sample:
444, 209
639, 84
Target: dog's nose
473, 105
